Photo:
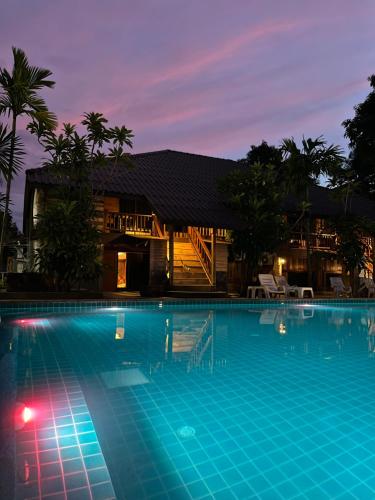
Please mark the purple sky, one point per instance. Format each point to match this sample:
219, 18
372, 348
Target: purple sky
204, 76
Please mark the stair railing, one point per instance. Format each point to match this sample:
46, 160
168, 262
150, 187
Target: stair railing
202, 251
159, 230
202, 343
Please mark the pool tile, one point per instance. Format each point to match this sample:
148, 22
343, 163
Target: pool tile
274, 417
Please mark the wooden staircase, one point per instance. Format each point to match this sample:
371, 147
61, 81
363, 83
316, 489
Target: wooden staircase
191, 337
188, 272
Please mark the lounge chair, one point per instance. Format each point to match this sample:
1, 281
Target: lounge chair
283, 283
339, 289
298, 291
368, 285
267, 281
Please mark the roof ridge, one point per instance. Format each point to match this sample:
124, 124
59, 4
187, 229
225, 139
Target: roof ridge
183, 153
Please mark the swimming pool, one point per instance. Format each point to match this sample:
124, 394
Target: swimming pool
197, 401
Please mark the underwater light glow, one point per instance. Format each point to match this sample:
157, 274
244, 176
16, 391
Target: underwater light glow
27, 414
26, 322
112, 309
22, 415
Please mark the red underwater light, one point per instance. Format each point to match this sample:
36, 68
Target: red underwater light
27, 414
22, 415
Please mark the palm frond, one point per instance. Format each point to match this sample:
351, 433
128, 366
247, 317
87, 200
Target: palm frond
5, 152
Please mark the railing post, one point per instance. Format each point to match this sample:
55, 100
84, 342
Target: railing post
171, 253
105, 218
213, 257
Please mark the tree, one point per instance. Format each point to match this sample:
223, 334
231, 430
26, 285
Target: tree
360, 131
5, 152
252, 191
303, 167
19, 96
265, 154
69, 252
351, 247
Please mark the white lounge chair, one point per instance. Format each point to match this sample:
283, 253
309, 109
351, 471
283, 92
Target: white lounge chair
339, 289
283, 283
299, 291
267, 281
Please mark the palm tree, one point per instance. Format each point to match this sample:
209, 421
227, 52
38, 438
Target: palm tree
19, 96
121, 136
5, 149
304, 167
97, 131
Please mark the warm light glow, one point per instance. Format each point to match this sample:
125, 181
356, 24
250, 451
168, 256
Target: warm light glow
22, 415
282, 329
121, 269
281, 261
27, 414
120, 333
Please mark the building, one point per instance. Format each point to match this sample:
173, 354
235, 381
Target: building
165, 221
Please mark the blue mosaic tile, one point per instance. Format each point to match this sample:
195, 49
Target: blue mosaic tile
197, 399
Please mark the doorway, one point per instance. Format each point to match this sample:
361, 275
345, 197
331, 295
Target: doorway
121, 269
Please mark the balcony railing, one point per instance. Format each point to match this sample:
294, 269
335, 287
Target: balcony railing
318, 241
221, 234
148, 224
135, 224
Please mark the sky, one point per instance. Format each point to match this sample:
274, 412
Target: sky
203, 76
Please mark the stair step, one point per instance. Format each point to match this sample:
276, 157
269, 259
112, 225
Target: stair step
196, 282
185, 255
190, 276
193, 271
187, 263
194, 288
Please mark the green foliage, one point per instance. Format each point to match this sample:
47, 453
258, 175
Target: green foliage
306, 164
11, 236
303, 167
19, 95
360, 131
19, 90
12, 233
69, 252
70, 241
351, 247
5, 153
254, 194
264, 154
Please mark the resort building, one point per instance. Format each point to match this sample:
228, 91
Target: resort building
164, 223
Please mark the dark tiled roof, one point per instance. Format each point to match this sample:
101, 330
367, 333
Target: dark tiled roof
182, 188
325, 202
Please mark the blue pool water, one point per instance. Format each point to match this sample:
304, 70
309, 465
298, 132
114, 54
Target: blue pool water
199, 402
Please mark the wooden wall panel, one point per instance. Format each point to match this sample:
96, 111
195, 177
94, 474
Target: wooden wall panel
111, 204
109, 271
158, 260
221, 257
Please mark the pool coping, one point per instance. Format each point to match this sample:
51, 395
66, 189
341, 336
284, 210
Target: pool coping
76, 305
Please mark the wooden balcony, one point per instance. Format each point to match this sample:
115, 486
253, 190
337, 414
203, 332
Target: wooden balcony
142, 225
318, 241
148, 225
221, 234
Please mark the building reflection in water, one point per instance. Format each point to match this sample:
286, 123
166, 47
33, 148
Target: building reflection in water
120, 326
178, 338
206, 339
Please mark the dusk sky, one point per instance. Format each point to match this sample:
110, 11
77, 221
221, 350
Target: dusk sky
203, 76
